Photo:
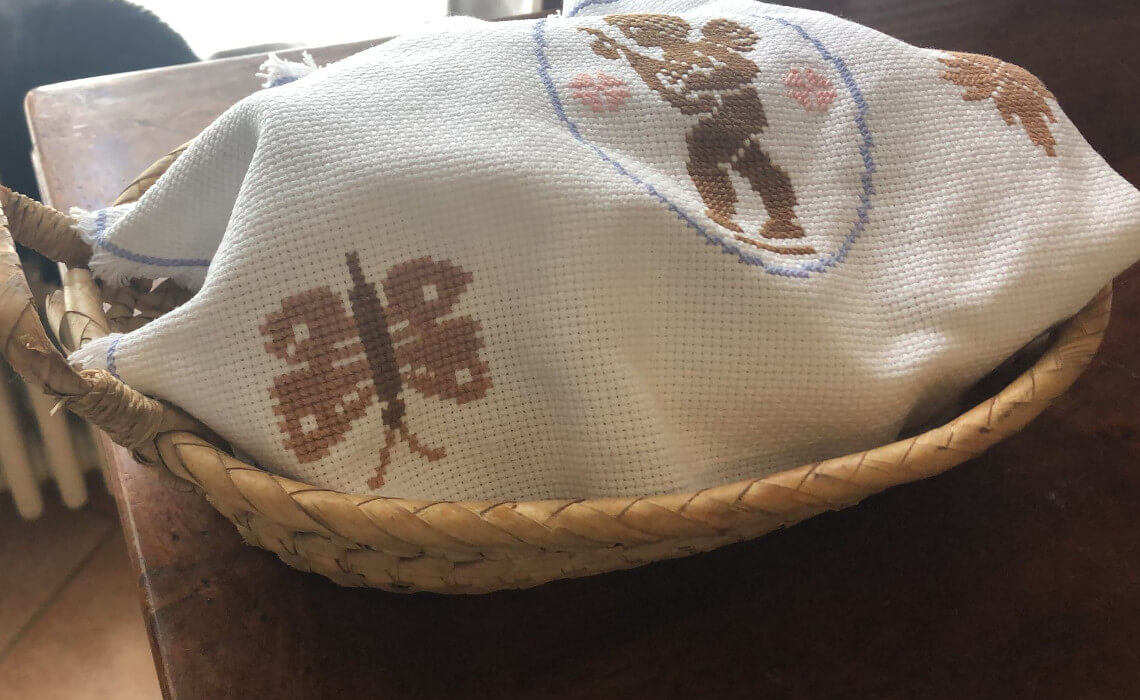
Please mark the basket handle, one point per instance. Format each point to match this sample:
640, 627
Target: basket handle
43, 229
130, 418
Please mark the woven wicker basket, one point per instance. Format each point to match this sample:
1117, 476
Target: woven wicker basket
455, 547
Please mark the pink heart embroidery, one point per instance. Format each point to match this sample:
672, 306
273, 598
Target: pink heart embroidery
600, 92
813, 91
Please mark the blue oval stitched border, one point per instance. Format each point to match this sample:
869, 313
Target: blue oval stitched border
727, 246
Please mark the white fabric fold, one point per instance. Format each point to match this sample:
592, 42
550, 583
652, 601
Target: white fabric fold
610, 253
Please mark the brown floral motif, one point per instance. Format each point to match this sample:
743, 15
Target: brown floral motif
348, 361
711, 77
1016, 93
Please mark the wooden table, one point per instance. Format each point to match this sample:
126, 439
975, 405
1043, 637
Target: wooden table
1015, 575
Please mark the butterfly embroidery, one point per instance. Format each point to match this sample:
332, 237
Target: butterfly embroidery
347, 361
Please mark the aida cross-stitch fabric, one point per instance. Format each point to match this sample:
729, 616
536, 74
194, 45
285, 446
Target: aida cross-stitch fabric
640, 247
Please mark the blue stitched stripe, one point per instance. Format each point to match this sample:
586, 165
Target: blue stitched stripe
111, 358
544, 72
588, 3
865, 147
102, 242
745, 256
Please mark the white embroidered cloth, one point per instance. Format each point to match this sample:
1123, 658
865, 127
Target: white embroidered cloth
610, 253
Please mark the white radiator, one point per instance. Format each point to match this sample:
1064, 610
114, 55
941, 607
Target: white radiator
37, 447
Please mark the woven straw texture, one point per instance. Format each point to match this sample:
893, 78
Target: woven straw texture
474, 547
468, 547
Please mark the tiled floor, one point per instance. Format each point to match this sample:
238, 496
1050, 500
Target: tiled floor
70, 623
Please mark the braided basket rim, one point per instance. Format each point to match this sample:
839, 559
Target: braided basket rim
478, 546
